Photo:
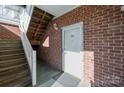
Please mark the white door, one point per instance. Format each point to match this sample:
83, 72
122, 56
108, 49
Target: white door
72, 50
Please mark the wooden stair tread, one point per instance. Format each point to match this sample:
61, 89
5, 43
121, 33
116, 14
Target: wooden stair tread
10, 41
15, 66
6, 61
11, 63
11, 54
20, 82
13, 70
15, 79
18, 73
9, 48
12, 50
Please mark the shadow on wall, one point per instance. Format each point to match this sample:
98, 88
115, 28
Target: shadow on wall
9, 32
44, 47
50, 49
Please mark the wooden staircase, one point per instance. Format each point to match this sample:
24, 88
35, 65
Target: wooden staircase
38, 25
14, 71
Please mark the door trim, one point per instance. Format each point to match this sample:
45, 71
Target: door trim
80, 24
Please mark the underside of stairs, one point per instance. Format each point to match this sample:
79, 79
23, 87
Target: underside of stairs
37, 28
14, 70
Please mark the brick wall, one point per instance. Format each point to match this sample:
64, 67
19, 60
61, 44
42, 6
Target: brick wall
103, 44
9, 32
52, 53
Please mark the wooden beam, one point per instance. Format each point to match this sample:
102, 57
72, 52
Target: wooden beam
38, 11
31, 28
36, 14
35, 42
34, 19
33, 24
40, 22
38, 25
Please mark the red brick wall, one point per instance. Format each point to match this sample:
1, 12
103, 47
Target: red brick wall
103, 43
52, 53
9, 32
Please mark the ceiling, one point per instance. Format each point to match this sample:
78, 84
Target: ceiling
57, 10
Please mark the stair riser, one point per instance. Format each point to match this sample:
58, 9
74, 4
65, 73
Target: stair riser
2, 65
11, 52
13, 78
13, 70
10, 57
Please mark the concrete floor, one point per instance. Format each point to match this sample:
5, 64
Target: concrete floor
48, 76
45, 72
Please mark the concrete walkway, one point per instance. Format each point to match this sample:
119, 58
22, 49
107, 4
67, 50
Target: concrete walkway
50, 77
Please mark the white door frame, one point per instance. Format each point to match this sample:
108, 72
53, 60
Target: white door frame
80, 24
